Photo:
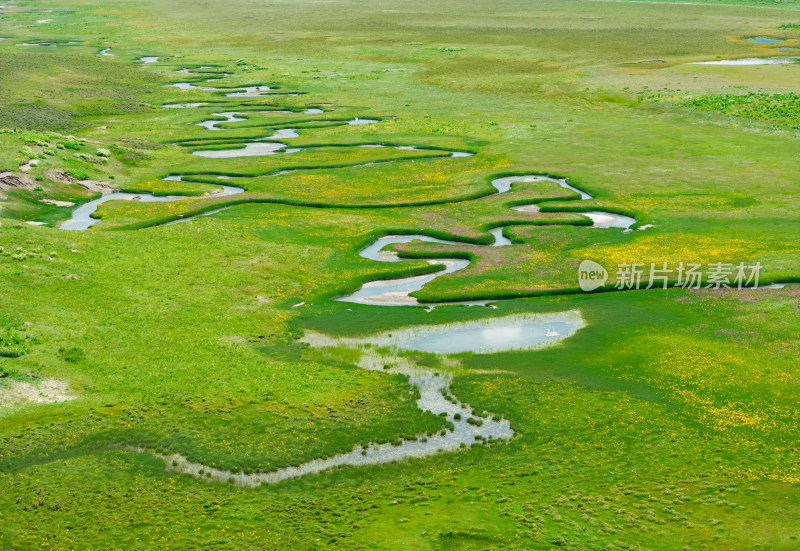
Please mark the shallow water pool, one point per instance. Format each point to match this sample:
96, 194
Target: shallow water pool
515, 332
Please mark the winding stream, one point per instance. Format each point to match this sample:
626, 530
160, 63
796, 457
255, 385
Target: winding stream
228, 116
384, 292
233, 92
382, 352
396, 292
523, 331
266, 146
54, 44
82, 216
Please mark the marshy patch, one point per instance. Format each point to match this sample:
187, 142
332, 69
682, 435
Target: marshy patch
486, 336
465, 428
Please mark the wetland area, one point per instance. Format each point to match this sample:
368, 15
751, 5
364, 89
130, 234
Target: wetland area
470, 276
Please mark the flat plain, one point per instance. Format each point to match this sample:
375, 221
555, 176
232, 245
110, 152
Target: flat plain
140, 345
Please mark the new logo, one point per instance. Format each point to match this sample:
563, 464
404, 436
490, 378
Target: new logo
591, 275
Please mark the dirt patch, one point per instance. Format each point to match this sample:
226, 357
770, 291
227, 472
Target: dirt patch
57, 203
92, 185
10, 181
25, 167
49, 391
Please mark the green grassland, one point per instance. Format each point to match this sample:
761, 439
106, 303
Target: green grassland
669, 422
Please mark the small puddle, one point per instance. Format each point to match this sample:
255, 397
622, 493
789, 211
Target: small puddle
487, 336
149, 59
190, 86
763, 40
602, 219
285, 133
357, 121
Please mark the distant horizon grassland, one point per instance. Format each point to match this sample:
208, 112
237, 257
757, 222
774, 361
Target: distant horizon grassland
667, 422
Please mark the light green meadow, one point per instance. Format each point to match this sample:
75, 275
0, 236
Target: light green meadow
670, 421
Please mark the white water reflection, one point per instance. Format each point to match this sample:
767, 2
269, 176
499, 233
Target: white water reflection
603, 219
250, 92
252, 149
232, 92
503, 185
228, 116
183, 105
750, 61
285, 133
357, 121
500, 240
764, 40
395, 292
515, 332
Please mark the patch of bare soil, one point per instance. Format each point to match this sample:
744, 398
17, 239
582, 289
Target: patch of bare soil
48, 391
9, 181
57, 203
92, 185
25, 167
